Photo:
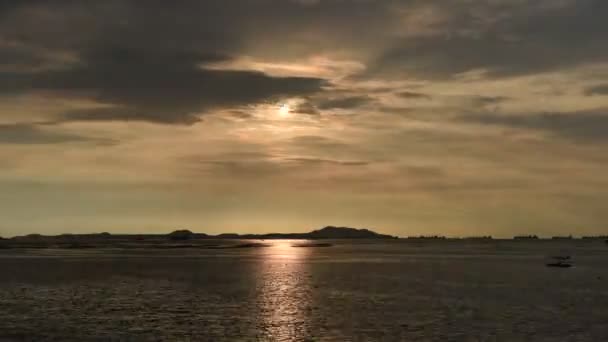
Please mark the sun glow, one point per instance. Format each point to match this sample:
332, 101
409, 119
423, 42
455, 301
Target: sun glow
284, 109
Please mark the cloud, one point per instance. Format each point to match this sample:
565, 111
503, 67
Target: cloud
581, 126
490, 100
601, 89
325, 101
432, 85
501, 38
414, 95
306, 107
162, 88
330, 148
240, 114
394, 38
134, 64
348, 102
33, 134
316, 161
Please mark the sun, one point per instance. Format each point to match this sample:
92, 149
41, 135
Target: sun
284, 109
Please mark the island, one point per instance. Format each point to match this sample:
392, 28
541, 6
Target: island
181, 238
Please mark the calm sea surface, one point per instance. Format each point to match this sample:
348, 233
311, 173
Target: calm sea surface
364, 291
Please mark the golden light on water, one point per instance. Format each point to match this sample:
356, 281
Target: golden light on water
285, 295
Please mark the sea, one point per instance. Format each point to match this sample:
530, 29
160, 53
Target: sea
282, 290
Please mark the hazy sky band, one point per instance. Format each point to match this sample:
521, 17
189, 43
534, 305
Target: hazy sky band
409, 117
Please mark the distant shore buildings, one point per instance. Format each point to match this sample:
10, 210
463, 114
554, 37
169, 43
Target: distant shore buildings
525, 237
427, 237
569, 237
477, 238
595, 237
441, 237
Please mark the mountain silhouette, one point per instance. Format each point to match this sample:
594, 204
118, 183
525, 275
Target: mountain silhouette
176, 238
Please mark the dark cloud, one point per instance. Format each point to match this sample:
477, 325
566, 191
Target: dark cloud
227, 26
489, 100
503, 38
580, 126
414, 95
348, 102
14, 57
601, 89
131, 114
327, 102
176, 95
444, 57
306, 107
161, 86
33, 134
140, 60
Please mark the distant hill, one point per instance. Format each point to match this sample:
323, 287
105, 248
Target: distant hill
525, 237
185, 235
178, 236
329, 232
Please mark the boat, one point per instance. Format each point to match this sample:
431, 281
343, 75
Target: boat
560, 261
559, 264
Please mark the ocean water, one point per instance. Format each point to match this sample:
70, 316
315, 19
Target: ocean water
352, 291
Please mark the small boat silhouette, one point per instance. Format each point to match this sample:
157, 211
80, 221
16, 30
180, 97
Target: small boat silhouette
559, 264
560, 261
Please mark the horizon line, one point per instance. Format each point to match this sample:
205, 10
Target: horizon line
527, 236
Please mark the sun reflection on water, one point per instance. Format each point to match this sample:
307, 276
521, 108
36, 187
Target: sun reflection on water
284, 292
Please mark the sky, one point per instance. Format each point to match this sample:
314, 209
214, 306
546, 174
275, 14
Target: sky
459, 118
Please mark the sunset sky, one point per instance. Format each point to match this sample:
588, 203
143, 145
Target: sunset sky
410, 117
